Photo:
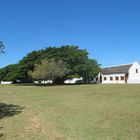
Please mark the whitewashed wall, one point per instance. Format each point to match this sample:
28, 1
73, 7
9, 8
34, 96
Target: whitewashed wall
133, 76
43, 82
114, 81
6, 82
73, 81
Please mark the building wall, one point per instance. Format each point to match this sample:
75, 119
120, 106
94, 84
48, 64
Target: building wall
43, 82
73, 81
134, 73
6, 82
116, 79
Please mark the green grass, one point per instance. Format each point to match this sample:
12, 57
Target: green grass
80, 112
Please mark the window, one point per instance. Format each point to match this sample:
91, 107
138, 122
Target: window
137, 71
111, 78
116, 78
122, 77
105, 78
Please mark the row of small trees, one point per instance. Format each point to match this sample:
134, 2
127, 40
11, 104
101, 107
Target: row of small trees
53, 63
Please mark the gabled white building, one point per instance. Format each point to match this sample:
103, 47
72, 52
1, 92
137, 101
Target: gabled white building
120, 74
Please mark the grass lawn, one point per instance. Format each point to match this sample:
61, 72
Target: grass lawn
80, 112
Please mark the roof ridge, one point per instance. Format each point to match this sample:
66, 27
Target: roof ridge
116, 69
118, 65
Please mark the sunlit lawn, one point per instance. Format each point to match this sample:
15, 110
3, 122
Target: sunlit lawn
80, 112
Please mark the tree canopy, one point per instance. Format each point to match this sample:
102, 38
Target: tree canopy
49, 70
88, 70
74, 59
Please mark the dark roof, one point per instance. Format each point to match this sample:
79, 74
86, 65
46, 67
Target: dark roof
116, 69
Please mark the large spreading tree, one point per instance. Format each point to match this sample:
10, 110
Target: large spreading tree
75, 59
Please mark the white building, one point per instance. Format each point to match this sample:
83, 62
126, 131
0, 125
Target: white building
120, 74
73, 81
6, 82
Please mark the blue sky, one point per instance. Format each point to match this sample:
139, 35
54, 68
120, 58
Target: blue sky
108, 29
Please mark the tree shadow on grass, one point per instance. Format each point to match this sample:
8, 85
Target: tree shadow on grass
9, 110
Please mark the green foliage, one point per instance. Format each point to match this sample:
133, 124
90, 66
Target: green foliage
49, 70
27, 64
9, 73
88, 70
75, 59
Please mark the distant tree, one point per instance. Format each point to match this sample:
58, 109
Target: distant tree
27, 64
9, 73
1, 51
1, 47
49, 70
39, 72
71, 55
88, 70
74, 58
